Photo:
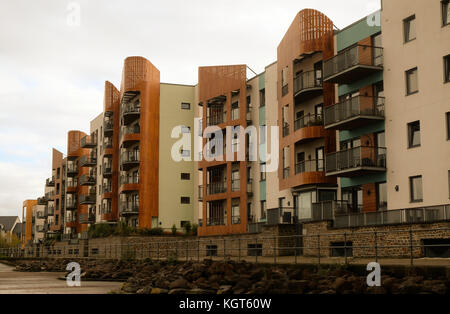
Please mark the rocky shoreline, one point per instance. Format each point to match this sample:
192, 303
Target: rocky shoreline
211, 277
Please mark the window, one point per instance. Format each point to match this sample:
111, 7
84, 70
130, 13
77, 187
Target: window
448, 125
235, 211
264, 207
412, 85
185, 176
211, 250
409, 28
263, 172
415, 184
382, 196
414, 134
445, 13
185, 106
447, 69
284, 81
185, 200
262, 98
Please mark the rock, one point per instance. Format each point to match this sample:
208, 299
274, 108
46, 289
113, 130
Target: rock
200, 291
129, 288
180, 283
224, 289
178, 291
159, 291
297, 286
341, 284
439, 289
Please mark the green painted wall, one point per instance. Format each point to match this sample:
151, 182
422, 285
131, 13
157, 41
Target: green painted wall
367, 129
369, 80
349, 182
262, 190
356, 32
262, 81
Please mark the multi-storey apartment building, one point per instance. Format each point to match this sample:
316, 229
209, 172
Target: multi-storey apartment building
358, 116
362, 124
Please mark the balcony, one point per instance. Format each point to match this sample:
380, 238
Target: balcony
129, 209
107, 188
71, 205
309, 166
88, 142
86, 219
354, 112
308, 120
130, 112
130, 135
307, 85
50, 182
216, 221
50, 210
277, 216
88, 161
71, 222
356, 161
88, 180
129, 160
71, 186
72, 170
88, 199
107, 170
217, 188
108, 128
217, 118
49, 195
353, 64
108, 143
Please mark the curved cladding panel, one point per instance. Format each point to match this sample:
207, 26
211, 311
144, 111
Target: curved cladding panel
142, 76
216, 81
112, 97
74, 143
27, 215
310, 32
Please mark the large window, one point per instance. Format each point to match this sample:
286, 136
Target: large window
409, 28
416, 192
414, 134
412, 85
262, 98
382, 196
447, 69
445, 13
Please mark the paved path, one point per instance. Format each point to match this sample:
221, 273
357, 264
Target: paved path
12, 282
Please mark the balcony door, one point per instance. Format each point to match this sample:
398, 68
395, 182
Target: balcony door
354, 198
318, 73
304, 202
320, 159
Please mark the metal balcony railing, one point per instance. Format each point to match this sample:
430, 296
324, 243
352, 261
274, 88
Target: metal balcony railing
72, 184
108, 142
88, 198
107, 169
132, 129
71, 204
129, 208
72, 170
87, 179
216, 221
108, 126
88, 161
216, 118
130, 157
107, 188
217, 187
49, 195
88, 142
50, 181
130, 108
308, 121
129, 179
358, 106
307, 80
282, 215
310, 166
368, 157
357, 55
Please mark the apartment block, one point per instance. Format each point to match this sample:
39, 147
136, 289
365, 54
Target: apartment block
346, 124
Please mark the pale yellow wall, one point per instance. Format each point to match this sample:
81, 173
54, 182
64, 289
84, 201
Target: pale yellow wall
96, 125
432, 159
272, 119
171, 187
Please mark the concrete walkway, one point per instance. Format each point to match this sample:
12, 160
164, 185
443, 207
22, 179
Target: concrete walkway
12, 282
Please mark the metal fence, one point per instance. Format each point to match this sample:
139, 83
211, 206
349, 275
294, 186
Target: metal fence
406, 246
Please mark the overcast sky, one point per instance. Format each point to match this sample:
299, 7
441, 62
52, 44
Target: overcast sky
52, 71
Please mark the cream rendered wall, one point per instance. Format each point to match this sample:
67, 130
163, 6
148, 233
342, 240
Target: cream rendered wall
96, 127
272, 119
171, 187
429, 105
198, 176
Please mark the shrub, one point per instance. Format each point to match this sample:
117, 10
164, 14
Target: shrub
156, 231
174, 230
187, 227
194, 229
100, 230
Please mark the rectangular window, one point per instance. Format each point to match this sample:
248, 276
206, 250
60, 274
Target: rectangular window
382, 196
445, 13
448, 125
263, 172
414, 134
263, 210
262, 98
185, 200
185, 106
415, 184
447, 69
185, 176
284, 81
409, 28
412, 85
235, 211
